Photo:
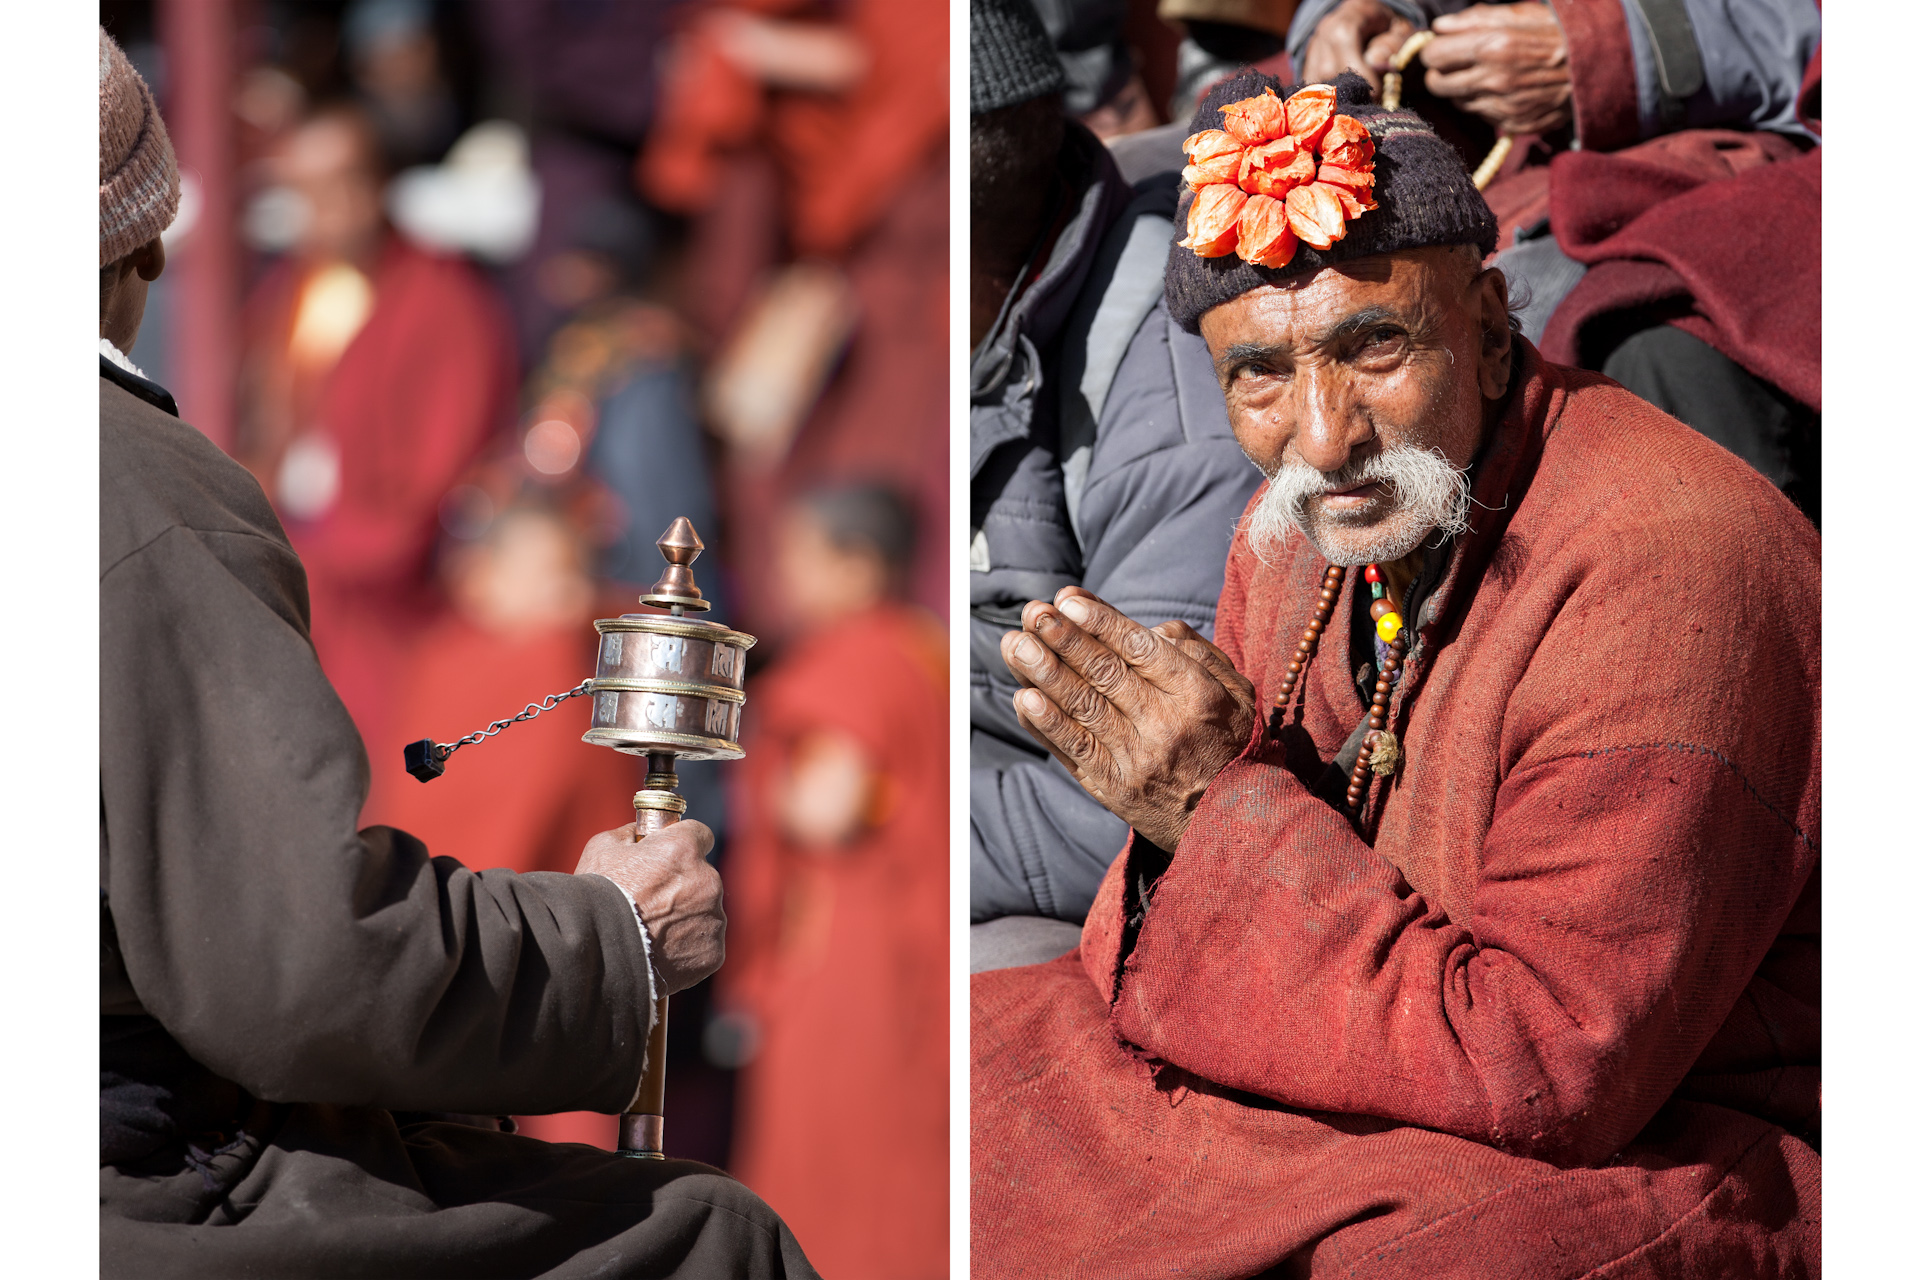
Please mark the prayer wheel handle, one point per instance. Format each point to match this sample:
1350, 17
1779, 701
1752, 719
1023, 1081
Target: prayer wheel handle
656, 806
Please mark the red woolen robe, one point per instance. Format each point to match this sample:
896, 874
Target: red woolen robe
1553, 1010
842, 958
413, 400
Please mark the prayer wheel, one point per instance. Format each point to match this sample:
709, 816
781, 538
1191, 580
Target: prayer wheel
667, 687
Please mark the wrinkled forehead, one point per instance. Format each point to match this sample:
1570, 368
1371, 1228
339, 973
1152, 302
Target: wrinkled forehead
1413, 284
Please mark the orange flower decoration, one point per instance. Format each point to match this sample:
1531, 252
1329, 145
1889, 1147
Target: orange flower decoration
1216, 158
1274, 168
1275, 174
1265, 238
1211, 223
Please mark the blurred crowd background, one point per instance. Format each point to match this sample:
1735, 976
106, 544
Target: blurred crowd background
485, 293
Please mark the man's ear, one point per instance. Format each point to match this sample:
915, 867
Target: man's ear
1496, 336
150, 259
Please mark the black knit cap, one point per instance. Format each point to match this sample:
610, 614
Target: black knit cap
1010, 58
1425, 194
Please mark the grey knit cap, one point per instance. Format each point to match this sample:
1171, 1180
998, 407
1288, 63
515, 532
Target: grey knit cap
139, 181
1010, 58
1425, 195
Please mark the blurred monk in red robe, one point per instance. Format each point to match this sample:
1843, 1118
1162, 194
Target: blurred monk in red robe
806, 141
374, 375
837, 902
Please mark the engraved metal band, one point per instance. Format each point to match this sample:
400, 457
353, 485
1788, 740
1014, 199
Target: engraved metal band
662, 625
642, 1137
675, 688
688, 746
665, 801
662, 781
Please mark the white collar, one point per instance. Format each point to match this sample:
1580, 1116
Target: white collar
119, 357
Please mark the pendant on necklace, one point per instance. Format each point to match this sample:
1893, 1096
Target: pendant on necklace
1386, 754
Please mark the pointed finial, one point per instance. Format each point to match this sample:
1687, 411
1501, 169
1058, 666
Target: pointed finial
675, 589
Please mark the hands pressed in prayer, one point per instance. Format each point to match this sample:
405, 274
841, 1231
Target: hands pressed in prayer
1143, 718
676, 890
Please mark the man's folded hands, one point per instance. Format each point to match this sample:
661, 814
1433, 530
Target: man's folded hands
1142, 717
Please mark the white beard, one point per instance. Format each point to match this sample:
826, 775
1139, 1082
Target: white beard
1427, 495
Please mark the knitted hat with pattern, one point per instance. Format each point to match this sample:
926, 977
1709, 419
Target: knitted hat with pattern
139, 182
1010, 58
1424, 192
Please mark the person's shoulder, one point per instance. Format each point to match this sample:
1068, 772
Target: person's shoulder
1624, 472
159, 473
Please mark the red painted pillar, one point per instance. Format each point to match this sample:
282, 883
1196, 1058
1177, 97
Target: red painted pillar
198, 37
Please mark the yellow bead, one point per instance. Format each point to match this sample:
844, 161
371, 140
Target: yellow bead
1388, 627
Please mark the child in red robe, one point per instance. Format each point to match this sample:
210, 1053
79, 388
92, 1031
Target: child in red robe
837, 901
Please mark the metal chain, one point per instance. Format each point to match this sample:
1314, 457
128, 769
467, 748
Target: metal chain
548, 703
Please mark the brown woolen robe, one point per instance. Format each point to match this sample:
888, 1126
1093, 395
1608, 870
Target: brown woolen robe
1552, 1010
296, 981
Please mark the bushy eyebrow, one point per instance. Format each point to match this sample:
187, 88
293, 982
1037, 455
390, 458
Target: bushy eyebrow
1347, 327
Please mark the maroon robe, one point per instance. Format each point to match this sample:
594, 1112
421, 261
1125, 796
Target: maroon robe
412, 401
1553, 1007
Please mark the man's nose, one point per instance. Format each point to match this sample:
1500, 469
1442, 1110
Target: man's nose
1329, 421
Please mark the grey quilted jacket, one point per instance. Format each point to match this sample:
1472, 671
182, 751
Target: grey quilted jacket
1100, 455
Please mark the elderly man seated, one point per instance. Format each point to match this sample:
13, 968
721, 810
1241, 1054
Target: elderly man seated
1469, 922
278, 991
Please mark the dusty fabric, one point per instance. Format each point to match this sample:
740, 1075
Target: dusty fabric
841, 958
1554, 1006
316, 1193
1717, 232
273, 983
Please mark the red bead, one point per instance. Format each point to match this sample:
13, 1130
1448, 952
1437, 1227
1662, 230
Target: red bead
1373, 573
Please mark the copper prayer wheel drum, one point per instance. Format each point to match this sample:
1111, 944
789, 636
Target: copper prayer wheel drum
667, 684
670, 684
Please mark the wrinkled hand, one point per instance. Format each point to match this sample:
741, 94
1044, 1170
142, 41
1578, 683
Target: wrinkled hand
677, 892
1361, 34
1143, 718
1506, 63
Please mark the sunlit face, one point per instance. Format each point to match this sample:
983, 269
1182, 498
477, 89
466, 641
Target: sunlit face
1325, 377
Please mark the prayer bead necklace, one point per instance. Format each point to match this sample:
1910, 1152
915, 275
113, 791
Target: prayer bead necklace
1379, 750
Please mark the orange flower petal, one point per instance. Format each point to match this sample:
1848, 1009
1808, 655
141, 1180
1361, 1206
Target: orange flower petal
1275, 168
1346, 143
1310, 113
1211, 221
1355, 189
1316, 215
1265, 238
1255, 120
1209, 143
1215, 156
